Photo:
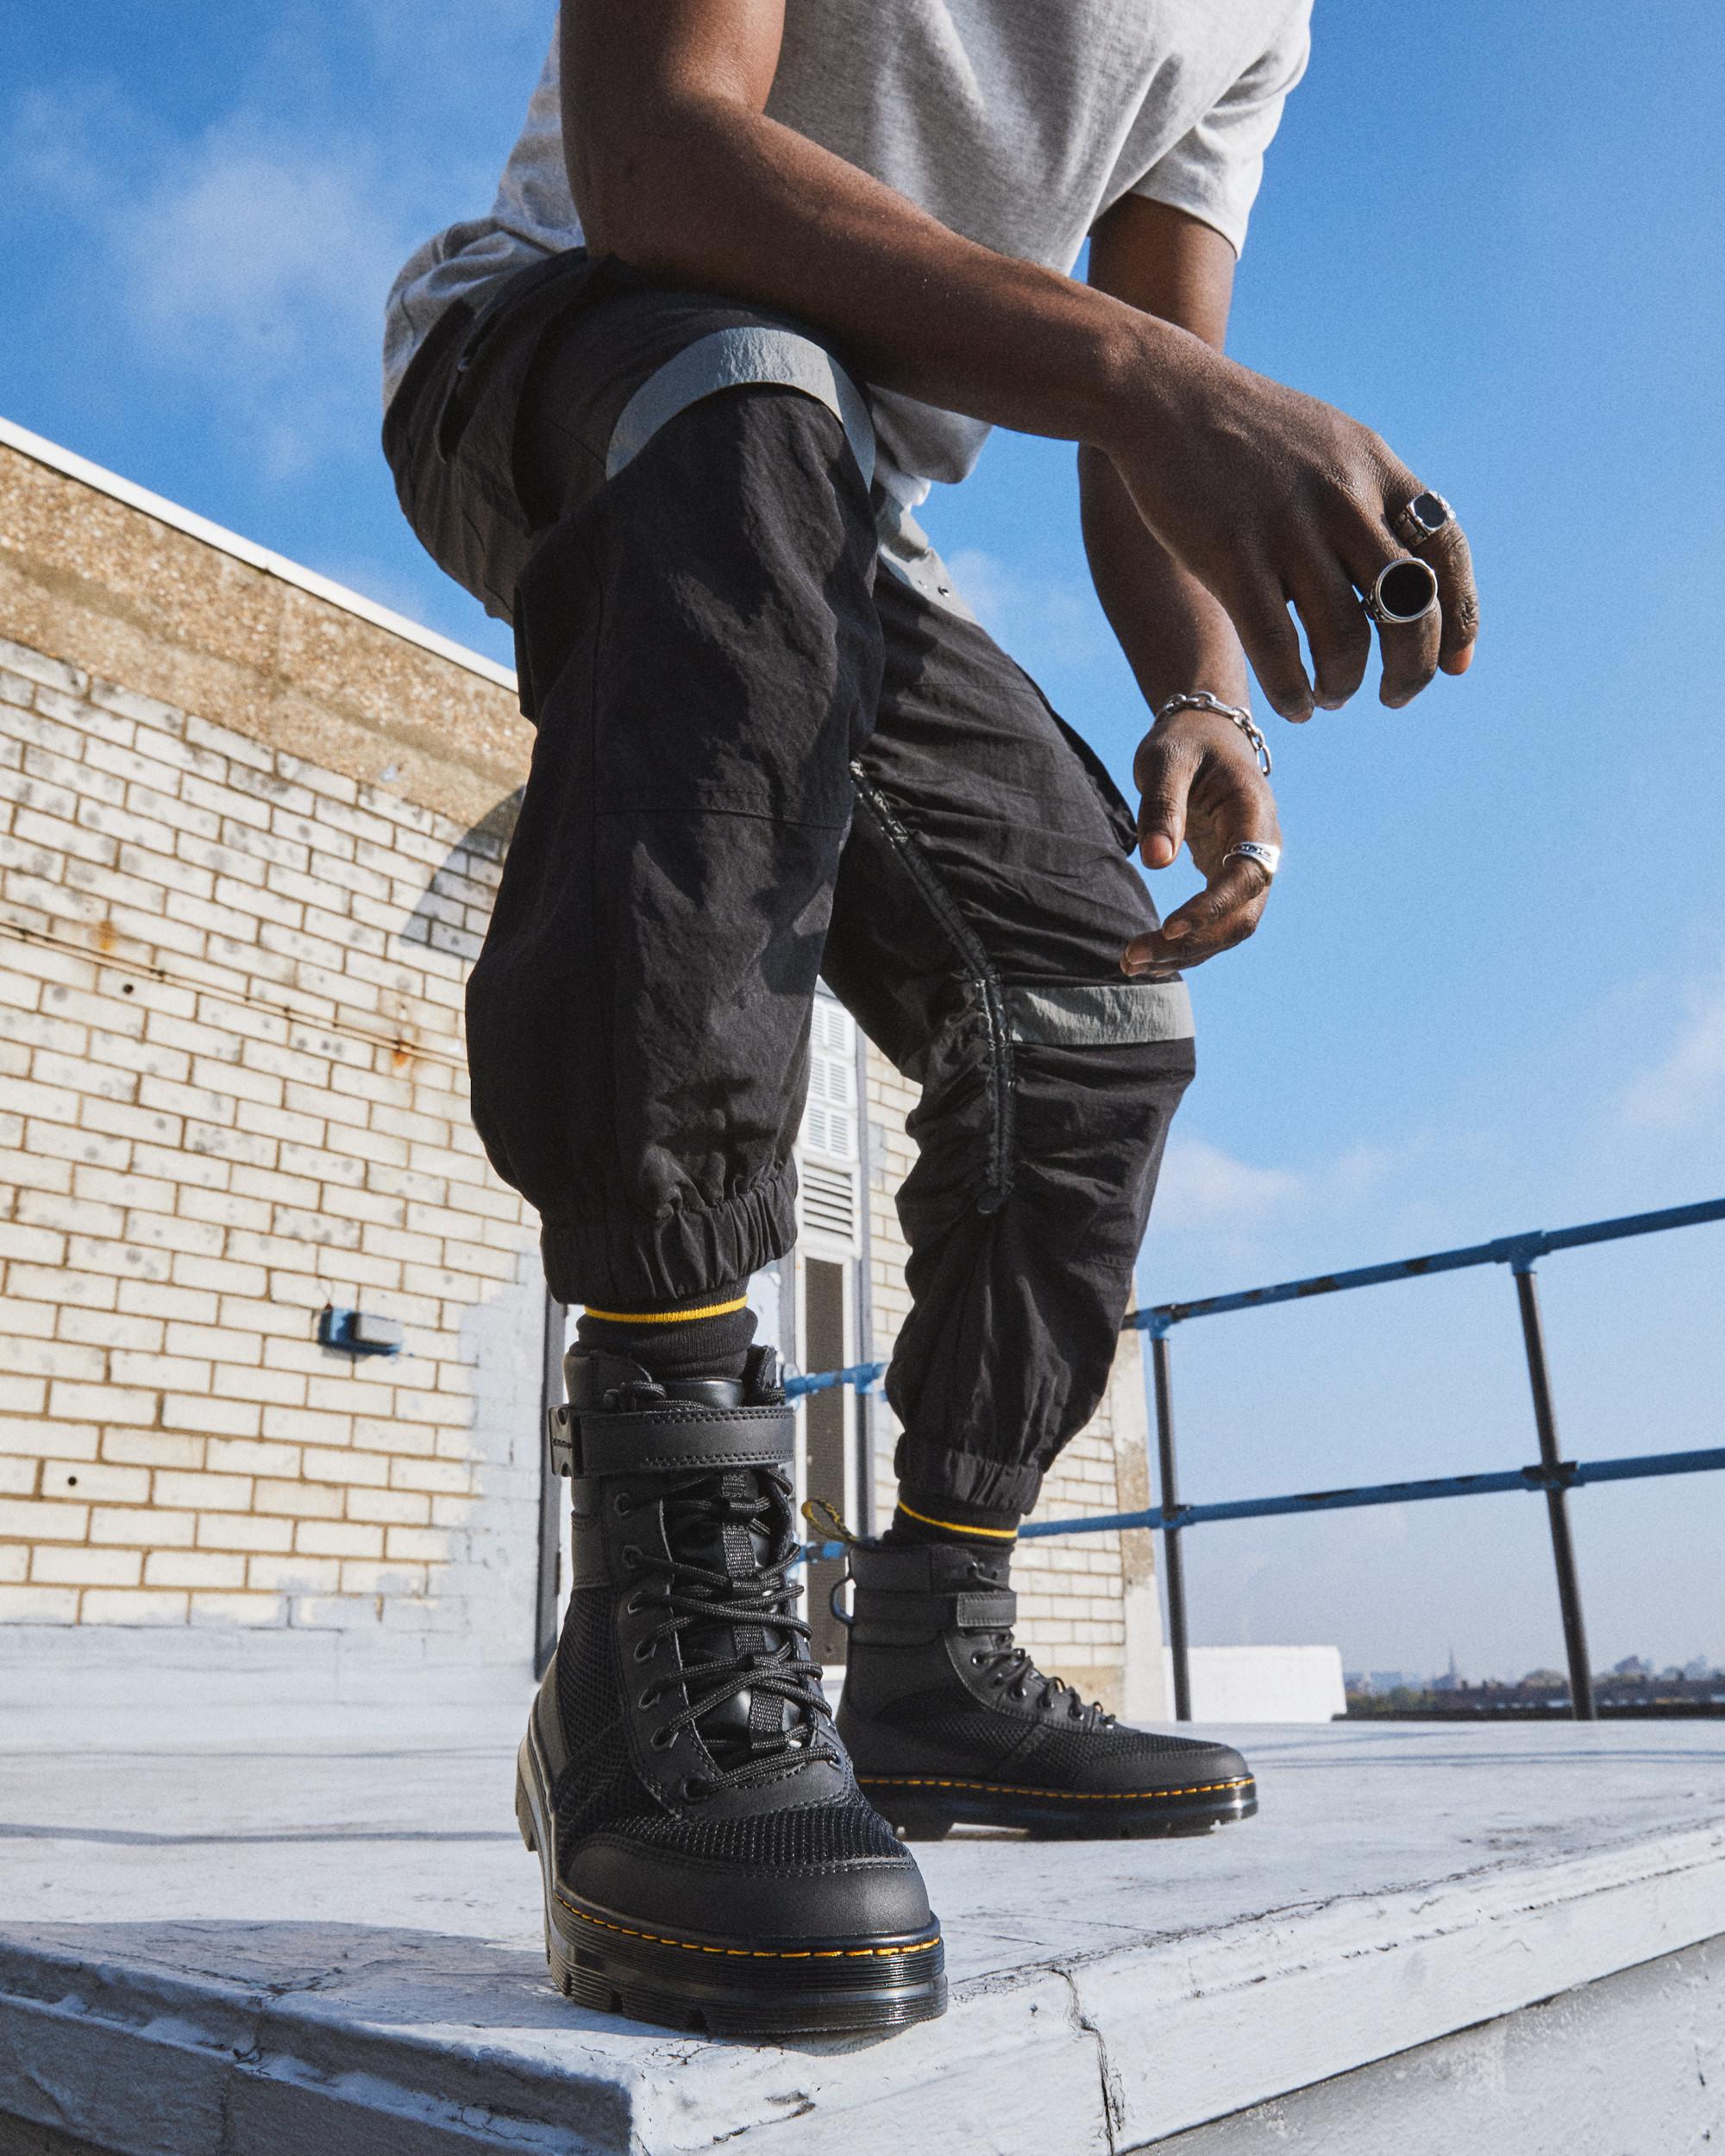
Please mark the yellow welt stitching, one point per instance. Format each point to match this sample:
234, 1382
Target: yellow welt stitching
995, 1534
1076, 1796
754, 1953
665, 1317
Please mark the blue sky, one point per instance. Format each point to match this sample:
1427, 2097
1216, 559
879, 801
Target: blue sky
1490, 993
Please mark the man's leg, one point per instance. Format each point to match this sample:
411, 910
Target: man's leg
700, 650
985, 897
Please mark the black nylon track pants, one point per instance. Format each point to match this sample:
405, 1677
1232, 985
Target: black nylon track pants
763, 756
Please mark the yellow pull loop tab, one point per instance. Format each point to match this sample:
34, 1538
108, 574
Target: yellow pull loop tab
830, 1528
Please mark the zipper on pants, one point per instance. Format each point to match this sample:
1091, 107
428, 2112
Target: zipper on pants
978, 969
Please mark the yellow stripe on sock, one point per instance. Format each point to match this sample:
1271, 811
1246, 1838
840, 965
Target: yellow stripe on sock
665, 1317
952, 1526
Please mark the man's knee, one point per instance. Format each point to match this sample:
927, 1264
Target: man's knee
764, 356
709, 613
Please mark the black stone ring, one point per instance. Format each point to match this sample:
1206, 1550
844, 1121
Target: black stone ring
1423, 518
1402, 592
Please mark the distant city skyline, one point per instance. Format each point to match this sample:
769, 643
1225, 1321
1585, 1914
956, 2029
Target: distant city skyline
1697, 1669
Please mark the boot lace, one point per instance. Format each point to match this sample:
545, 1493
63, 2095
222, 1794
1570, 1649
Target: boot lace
1010, 1668
696, 1595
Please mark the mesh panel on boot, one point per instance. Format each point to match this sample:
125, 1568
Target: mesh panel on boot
599, 1789
808, 1838
952, 1718
587, 1697
1068, 1752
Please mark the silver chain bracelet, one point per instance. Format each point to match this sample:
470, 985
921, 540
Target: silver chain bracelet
1201, 700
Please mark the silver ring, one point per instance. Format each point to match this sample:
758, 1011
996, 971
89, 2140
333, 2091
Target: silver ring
1422, 518
1268, 857
1403, 591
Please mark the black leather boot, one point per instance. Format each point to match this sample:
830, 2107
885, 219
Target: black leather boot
945, 1720
707, 1859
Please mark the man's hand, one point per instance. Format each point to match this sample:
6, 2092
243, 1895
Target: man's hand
1262, 495
1267, 496
1200, 782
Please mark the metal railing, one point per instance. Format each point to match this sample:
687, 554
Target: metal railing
1549, 1474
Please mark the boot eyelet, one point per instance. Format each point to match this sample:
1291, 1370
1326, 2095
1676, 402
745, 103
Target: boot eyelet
645, 1650
632, 1558
649, 1698
690, 1791
976, 1662
662, 1739
621, 1506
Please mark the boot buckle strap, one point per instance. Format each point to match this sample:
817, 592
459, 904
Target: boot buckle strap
675, 1437
909, 1620
559, 1432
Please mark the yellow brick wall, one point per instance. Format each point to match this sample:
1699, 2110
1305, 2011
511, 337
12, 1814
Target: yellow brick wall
232, 1091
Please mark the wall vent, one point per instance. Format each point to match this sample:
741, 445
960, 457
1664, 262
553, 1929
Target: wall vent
829, 1199
830, 1118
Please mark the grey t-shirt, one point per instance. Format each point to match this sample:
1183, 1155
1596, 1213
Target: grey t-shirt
1016, 122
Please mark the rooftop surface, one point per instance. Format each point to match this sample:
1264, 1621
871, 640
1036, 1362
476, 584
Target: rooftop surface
301, 1930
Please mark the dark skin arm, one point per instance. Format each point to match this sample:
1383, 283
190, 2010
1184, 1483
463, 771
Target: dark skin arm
1257, 494
1197, 776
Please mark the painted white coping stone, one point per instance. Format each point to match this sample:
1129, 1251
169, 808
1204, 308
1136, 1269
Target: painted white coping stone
41, 450
1262, 1684
313, 1933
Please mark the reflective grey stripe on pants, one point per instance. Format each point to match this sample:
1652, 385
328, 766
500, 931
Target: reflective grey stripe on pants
736, 359
741, 358
1097, 1013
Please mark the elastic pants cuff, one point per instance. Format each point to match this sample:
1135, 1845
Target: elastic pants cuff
623, 1265
969, 1479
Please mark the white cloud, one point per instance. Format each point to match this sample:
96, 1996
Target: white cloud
51, 141
248, 263
1203, 1186
1687, 1084
1039, 619
260, 267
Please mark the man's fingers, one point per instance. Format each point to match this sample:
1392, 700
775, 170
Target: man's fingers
1259, 612
1152, 954
1409, 650
1241, 886
1336, 627
1213, 919
1448, 552
1162, 773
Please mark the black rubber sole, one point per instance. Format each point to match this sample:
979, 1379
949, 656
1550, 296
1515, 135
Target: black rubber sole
723, 1987
926, 1808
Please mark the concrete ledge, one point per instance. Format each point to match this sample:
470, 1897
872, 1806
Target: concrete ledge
1262, 1684
316, 1931
196, 1674
134, 590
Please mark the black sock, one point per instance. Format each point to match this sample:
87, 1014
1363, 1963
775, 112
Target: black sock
701, 1335
926, 1516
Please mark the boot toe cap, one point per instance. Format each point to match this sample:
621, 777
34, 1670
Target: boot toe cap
651, 1881
1120, 1760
